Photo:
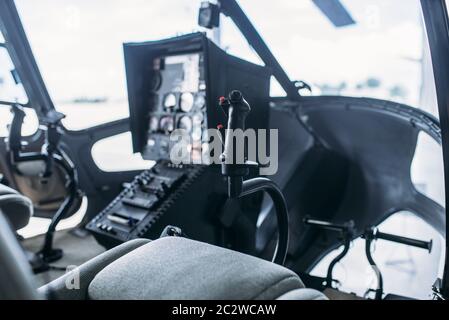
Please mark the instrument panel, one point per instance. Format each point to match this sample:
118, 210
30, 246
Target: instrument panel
176, 83
178, 101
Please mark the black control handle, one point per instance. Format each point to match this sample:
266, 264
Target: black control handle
371, 234
326, 225
237, 109
15, 130
404, 240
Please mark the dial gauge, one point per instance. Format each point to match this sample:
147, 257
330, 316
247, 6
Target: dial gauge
170, 101
197, 118
196, 133
200, 101
167, 124
186, 101
185, 123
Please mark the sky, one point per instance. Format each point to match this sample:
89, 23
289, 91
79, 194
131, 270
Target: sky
382, 43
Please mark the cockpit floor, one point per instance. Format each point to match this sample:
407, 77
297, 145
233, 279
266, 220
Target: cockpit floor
77, 250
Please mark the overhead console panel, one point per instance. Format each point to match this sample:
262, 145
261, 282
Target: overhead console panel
176, 83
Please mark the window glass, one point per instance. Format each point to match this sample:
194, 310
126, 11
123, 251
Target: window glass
11, 89
109, 158
30, 123
427, 168
78, 47
406, 270
38, 226
383, 55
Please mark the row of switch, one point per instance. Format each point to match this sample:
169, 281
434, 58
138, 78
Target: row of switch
143, 203
106, 228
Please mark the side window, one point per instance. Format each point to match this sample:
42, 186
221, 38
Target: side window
30, 123
407, 271
11, 90
426, 168
109, 158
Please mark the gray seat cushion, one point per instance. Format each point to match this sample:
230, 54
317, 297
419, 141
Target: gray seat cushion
303, 294
179, 268
17, 208
83, 275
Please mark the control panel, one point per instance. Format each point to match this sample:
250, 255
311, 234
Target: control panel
142, 200
176, 84
178, 91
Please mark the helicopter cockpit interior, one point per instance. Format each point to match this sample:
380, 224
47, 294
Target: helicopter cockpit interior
244, 195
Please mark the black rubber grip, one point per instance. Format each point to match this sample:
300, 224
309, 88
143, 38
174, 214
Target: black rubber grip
404, 240
237, 112
15, 130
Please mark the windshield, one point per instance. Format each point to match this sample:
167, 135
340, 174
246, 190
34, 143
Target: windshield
78, 46
383, 55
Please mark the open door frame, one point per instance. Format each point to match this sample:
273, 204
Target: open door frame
437, 27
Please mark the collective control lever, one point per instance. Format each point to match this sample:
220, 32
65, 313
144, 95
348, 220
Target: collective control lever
372, 234
237, 109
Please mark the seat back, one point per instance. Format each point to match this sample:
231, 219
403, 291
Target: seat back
16, 281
